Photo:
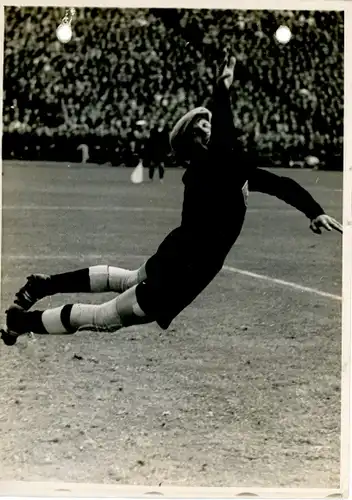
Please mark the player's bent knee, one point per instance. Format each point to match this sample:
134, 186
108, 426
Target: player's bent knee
122, 311
130, 310
106, 317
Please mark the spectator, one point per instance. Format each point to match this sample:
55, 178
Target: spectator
133, 64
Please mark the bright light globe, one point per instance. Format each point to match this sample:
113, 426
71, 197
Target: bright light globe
64, 33
283, 34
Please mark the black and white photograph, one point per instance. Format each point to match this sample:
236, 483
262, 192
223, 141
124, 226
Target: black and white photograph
172, 246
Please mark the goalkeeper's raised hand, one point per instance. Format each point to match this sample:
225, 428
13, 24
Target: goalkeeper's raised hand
227, 73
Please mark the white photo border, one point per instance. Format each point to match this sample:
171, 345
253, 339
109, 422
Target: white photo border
11, 490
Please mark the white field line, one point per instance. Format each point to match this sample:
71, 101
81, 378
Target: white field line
116, 208
118, 260
92, 208
289, 284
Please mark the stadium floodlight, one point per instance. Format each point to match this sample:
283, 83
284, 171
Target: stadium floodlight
64, 30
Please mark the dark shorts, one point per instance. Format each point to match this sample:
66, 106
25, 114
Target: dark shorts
177, 273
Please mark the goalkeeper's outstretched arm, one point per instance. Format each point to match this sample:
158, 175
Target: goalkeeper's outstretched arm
293, 194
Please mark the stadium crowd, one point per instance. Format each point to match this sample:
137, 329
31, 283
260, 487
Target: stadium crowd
128, 71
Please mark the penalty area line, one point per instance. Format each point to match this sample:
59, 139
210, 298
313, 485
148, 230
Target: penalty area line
288, 284
87, 208
116, 208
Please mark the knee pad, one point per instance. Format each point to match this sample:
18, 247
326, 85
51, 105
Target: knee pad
104, 278
99, 278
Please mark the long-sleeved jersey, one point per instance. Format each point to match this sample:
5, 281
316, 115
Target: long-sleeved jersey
214, 202
213, 213
286, 189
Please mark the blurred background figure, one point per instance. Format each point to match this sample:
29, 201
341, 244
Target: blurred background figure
85, 152
156, 151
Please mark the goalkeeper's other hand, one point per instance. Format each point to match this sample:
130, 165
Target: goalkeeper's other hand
325, 222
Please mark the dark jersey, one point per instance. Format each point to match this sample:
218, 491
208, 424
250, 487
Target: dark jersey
183, 281
213, 213
214, 207
286, 189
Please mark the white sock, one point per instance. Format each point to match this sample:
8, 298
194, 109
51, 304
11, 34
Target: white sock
51, 319
110, 316
104, 317
114, 279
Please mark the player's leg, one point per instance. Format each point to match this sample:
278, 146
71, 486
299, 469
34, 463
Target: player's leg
120, 312
151, 171
161, 172
94, 279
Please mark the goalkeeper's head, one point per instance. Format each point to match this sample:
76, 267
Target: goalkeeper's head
191, 131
